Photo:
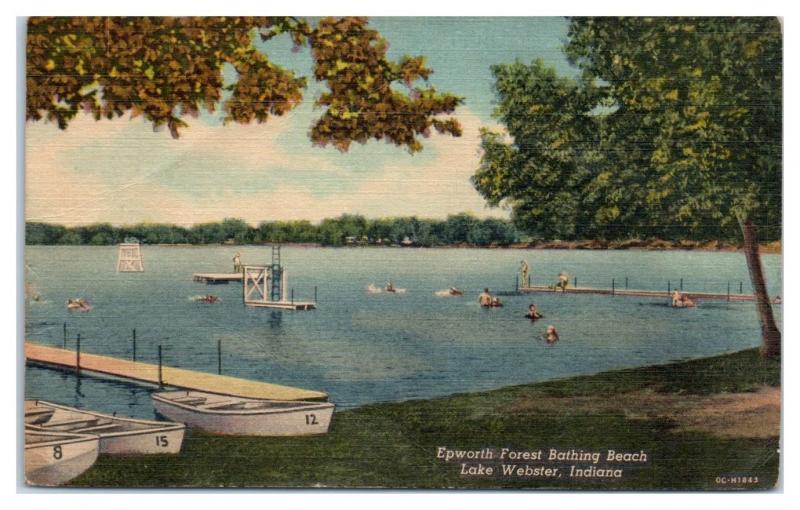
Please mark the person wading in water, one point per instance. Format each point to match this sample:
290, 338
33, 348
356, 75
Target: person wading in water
551, 335
485, 299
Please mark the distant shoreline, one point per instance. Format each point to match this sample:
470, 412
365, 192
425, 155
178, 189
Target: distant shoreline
774, 247
456, 231
647, 245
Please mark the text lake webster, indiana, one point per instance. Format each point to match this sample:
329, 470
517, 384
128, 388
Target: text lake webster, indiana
543, 462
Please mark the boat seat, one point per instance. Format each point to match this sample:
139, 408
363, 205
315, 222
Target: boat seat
38, 418
33, 411
224, 403
64, 423
96, 428
189, 400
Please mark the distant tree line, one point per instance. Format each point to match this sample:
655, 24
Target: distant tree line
347, 229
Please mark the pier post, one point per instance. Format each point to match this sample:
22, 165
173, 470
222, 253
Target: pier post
613, 290
516, 283
292, 295
315, 293
740, 288
284, 283
244, 285
575, 282
626, 282
219, 357
65, 335
729, 291
78, 355
681, 284
134, 344
160, 380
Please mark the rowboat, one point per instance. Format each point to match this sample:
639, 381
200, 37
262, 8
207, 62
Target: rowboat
117, 435
239, 416
53, 458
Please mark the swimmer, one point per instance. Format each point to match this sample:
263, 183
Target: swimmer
551, 335
682, 300
533, 313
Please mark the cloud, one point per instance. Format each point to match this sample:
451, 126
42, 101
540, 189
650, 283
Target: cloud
122, 172
435, 189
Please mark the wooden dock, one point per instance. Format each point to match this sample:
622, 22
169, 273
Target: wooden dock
168, 376
638, 293
217, 277
284, 305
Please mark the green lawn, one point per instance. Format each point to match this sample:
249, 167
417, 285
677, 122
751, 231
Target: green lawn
395, 444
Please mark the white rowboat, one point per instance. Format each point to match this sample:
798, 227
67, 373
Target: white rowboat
117, 435
229, 415
56, 458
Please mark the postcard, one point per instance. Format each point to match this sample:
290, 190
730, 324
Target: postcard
419, 252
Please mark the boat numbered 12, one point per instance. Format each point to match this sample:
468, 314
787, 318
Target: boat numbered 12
224, 414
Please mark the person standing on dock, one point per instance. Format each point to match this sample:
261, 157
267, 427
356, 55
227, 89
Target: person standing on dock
237, 263
563, 281
524, 274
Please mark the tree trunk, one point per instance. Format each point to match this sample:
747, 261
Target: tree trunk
770, 335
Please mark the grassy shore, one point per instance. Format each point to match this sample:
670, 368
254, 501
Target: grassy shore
696, 421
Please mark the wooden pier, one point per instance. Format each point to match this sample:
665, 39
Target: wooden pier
638, 293
164, 375
217, 277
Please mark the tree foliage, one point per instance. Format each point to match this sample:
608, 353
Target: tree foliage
166, 69
546, 115
672, 130
344, 230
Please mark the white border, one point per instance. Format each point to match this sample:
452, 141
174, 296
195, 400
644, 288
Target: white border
12, 219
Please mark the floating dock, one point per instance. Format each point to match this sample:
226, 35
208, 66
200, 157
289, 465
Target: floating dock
164, 375
638, 293
284, 305
217, 277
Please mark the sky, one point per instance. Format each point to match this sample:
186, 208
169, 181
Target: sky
122, 172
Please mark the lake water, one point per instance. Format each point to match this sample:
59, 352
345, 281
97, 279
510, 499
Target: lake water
363, 348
